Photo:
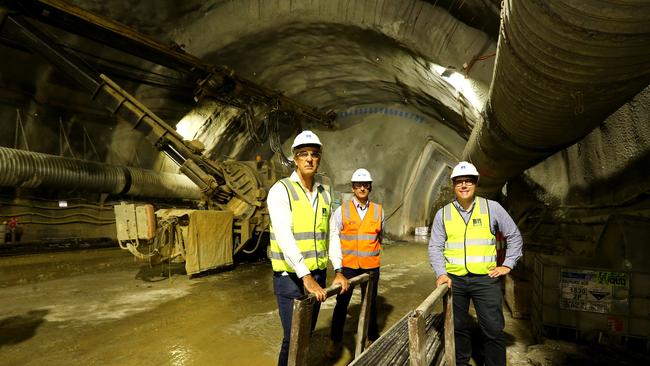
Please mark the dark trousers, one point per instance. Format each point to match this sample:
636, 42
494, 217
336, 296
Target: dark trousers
342, 302
485, 293
286, 289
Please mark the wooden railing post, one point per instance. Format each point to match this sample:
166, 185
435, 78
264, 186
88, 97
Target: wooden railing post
417, 332
303, 309
364, 316
300, 330
450, 342
417, 340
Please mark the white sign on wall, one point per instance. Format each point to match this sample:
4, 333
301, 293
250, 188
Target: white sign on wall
595, 291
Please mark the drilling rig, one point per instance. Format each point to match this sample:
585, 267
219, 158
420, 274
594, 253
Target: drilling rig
232, 211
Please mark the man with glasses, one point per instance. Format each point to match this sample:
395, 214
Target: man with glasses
299, 208
357, 225
463, 253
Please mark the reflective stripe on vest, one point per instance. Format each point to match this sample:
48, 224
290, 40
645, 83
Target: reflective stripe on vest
360, 238
309, 227
471, 246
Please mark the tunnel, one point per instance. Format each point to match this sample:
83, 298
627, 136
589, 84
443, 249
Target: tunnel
165, 103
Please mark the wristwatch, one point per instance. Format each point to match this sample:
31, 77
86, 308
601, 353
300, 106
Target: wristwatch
338, 270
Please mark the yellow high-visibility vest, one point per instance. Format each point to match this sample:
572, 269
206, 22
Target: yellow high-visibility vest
471, 247
310, 228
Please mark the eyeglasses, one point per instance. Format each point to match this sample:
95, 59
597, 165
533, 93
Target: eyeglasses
357, 185
305, 154
467, 181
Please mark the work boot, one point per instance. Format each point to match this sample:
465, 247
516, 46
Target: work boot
333, 349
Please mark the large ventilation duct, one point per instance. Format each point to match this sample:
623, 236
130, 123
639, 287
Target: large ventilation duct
27, 169
562, 67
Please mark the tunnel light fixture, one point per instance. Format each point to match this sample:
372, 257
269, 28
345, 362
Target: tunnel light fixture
447, 73
202, 115
192, 122
189, 125
460, 83
63, 203
440, 70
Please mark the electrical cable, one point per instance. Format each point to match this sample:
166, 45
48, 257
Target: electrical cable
274, 140
130, 71
31, 213
475, 59
259, 239
81, 205
248, 117
63, 222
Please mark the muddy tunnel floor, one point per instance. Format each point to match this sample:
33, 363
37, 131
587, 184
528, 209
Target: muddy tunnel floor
101, 308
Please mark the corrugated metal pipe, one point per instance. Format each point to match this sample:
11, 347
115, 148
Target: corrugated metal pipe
562, 67
25, 169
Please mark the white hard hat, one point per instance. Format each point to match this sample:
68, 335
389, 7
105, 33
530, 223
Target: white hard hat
464, 168
306, 138
361, 175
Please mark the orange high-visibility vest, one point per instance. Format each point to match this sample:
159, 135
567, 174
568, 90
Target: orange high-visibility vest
360, 239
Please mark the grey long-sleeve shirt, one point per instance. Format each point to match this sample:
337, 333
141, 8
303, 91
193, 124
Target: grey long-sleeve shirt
499, 219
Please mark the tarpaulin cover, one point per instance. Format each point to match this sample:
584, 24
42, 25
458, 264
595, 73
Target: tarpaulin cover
208, 243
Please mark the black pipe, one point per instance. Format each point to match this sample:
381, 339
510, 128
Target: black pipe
26, 169
562, 68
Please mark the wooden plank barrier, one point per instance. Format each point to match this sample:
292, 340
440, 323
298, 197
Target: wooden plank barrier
421, 337
302, 317
418, 354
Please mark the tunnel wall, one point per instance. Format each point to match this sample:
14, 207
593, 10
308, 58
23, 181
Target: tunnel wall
401, 158
50, 103
49, 130
563, 203
43, 221
608, 167
426, 183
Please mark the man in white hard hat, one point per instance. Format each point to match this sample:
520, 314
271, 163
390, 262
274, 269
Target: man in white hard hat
357, 225
299, 207
462, 252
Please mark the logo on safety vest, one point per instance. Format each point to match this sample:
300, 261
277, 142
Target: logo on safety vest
324, 212
476, 222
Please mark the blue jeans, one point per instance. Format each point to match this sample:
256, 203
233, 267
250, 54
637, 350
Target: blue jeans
342, 302
286, 289
485, 293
